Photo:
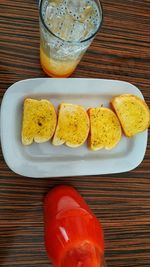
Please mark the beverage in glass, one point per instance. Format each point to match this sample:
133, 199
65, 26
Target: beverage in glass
67, 28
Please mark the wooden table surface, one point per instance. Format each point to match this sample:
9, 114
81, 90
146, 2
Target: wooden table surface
121, 50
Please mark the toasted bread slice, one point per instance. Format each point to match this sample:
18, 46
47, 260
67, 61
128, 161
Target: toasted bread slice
133, 113
72, 127
105, 129
39, 121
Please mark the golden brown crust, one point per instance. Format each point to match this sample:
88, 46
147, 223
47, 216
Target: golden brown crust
133, 113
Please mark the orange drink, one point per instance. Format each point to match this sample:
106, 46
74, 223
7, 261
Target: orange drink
56, 68
67, 28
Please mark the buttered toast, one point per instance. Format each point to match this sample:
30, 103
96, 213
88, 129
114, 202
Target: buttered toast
72, 127
105, 129
133, 113
39, 121
74, 122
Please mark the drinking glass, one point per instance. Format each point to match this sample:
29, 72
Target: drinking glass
67, 28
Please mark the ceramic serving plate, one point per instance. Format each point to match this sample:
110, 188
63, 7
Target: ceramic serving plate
46, 160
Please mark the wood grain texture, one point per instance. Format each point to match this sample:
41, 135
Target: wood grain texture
121, 50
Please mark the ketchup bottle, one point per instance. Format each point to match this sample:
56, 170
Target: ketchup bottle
73, 235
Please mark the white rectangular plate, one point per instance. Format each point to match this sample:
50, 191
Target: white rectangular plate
46, 160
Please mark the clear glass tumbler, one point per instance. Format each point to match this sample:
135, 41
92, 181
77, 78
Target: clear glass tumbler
67, 28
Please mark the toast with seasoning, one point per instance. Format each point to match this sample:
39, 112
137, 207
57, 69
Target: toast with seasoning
105, 129
133, 113
39, 121
72, 127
